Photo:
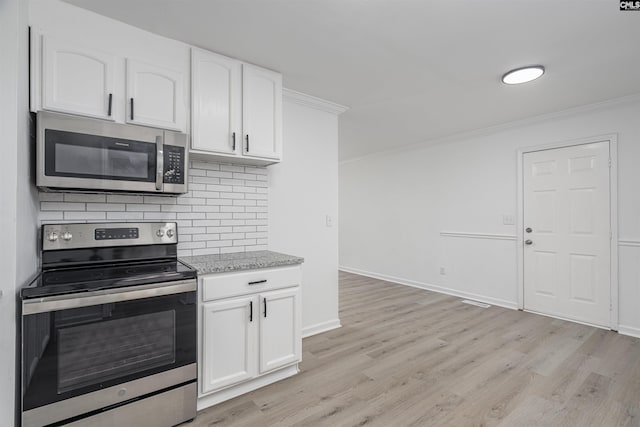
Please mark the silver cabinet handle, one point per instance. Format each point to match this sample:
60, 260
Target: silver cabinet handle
528, 242
159, 163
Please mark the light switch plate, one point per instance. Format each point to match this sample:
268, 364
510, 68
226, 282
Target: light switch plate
508, 219
329, 221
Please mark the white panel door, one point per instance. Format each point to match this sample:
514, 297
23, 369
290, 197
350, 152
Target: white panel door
155, 96
567, 261
280, 329
76, 79
228, 342
216, 99
261, 112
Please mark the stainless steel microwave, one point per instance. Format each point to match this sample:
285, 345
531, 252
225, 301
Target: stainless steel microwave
76, 153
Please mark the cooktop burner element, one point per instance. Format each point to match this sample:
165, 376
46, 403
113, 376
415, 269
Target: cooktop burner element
77, 257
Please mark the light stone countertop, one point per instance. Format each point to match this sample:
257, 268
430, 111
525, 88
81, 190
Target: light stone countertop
208, 264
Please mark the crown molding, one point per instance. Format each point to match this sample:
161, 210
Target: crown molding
313, 102
463, 136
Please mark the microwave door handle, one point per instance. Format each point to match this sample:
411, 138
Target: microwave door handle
159, 162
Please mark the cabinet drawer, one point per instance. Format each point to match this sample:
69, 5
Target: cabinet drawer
223, 285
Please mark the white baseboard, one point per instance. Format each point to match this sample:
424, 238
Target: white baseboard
429, 287
319, 328
629, 330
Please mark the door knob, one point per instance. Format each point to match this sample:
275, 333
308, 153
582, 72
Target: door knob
528, 230
528, 242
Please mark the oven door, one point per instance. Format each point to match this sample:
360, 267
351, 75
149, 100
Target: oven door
84, 352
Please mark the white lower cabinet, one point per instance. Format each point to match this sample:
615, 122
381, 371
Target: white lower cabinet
229, 343
247, 339
280, 329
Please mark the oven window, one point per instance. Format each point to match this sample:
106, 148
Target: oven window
76, 155
97, 352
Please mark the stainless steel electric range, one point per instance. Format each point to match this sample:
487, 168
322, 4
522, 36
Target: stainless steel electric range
109, 328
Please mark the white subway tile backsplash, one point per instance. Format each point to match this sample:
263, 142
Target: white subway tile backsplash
51, 197
232, 168
82, 197
192, 215
161, 200
106, 207
124, 198
175, 208
252, 177
135, 207
224, 211
185, 200
62, 206
206, 222
125, 216
160, 216
220, 174
84, 216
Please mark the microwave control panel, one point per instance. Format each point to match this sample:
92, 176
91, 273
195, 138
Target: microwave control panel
173, 164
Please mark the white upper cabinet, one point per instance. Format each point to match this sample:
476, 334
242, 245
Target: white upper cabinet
236, 110
154, 96
77, 80
216, 108
96, 78
261, 112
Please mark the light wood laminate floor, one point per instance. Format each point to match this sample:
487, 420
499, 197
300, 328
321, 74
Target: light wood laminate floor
406, 356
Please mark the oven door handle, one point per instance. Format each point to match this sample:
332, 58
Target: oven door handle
159, 162
106, 296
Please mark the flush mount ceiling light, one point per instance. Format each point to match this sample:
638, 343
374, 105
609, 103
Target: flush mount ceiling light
522, 75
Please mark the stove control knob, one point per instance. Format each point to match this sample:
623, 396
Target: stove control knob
170, 233
67, 236
52, 236
160, 233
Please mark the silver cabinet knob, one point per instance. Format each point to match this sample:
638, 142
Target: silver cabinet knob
160, 233
52, 236
67, 236
528, 242
528, 230
170, 233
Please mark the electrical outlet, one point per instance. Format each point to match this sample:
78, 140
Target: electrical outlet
443, 271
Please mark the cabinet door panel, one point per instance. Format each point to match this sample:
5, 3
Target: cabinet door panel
76, 79
280, 329
157, 95
216, 103
228, 343
262, 112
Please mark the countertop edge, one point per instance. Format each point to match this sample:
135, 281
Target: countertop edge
235, 264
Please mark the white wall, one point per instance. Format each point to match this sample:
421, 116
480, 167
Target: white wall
303, 189
395, 205
18, 260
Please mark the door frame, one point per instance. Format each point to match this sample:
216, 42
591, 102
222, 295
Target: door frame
613, 215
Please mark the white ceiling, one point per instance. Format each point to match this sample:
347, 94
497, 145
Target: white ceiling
413, 70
